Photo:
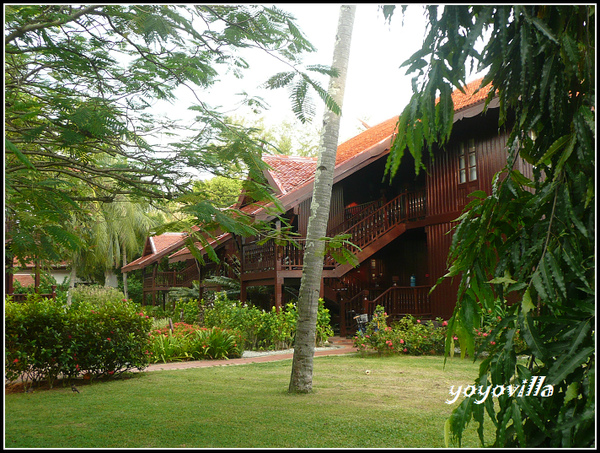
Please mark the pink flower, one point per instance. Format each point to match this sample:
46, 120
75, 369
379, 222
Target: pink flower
16, 361
445, 323
108, 339
419, 321
401, 341
455, 337
492, 342
405, 350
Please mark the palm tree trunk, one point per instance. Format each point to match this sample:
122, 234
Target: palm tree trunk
125, 273
308, 299
72, 278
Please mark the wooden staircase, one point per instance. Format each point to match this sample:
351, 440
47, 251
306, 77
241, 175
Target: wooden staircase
369, 232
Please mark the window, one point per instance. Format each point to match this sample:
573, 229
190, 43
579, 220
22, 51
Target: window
467, 162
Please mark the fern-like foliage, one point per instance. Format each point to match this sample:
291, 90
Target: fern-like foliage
532, 240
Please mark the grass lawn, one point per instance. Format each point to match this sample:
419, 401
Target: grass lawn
400, 404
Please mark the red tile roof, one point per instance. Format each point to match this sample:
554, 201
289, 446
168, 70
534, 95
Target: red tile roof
365, 140
164, 241
470, 98
24, 280
156, 246
184, 253
288, 172
31, 264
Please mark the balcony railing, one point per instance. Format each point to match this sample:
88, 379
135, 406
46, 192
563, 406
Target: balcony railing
172, 279
364, 227
398, 301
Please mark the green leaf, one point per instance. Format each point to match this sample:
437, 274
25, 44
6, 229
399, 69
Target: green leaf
22, 158
526, 304
572, 392
532, 408
565, 155
553, 149
567, 364
531, 336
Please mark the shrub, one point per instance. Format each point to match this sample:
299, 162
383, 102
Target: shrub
187, 311
189, 342
262, 329
216, 343
95, 294
418, 337
34, 339
45, 338
406, 336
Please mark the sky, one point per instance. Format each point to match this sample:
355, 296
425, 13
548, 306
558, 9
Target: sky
376, 88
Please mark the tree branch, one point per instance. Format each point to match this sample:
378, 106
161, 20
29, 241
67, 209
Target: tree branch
32, 27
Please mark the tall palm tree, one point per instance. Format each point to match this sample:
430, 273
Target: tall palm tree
308, 299
116, 230
123, 225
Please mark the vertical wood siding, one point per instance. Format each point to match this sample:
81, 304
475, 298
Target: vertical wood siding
336, 210
444, 194
442, 183
443, 298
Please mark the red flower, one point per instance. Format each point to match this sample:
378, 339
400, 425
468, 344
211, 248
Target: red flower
111, 372
16, 361
108, 339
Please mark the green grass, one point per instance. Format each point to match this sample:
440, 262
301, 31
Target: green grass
400, 404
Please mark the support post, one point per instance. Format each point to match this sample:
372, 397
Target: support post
343, 316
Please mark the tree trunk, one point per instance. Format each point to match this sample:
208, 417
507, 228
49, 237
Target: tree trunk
110, 278
72, 278
125, 273
308, 298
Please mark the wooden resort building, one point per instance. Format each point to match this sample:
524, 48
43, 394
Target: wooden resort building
402, 227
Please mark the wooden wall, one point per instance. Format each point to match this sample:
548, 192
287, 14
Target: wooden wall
443, 298
336, 210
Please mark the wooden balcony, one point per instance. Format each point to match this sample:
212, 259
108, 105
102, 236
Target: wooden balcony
370, 228
23, 297
172, 279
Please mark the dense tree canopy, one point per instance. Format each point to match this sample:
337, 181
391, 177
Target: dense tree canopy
531, 241
80, 86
